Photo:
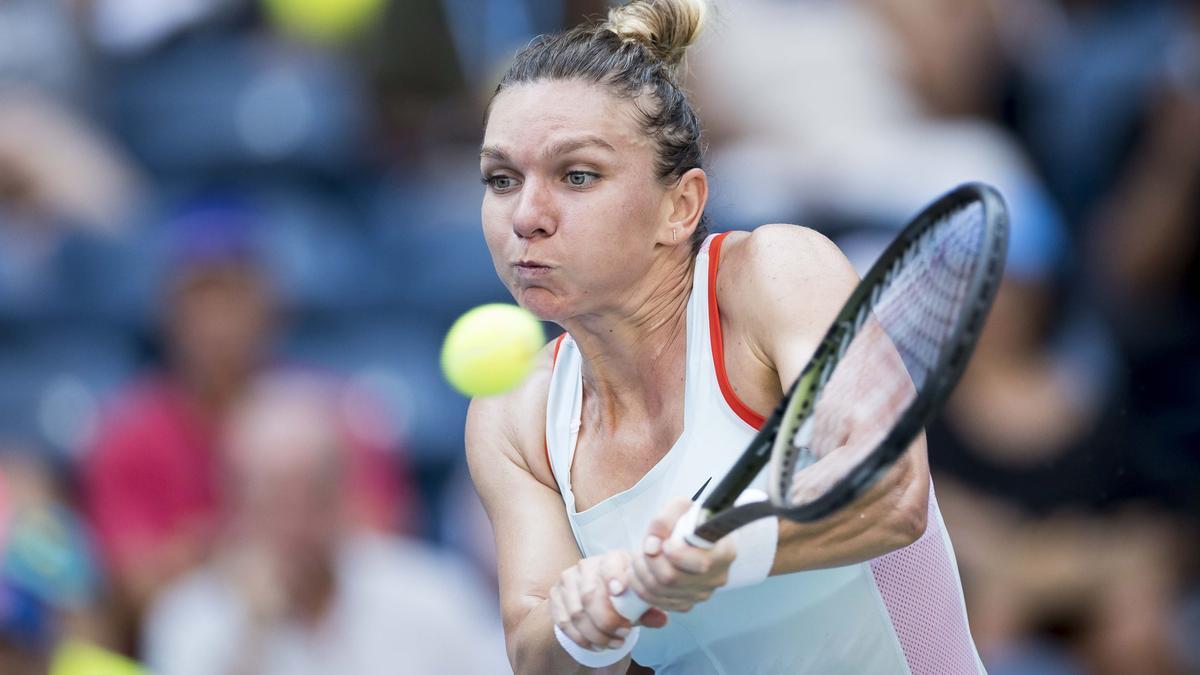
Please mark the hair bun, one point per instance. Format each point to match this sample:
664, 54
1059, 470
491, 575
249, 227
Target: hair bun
666, 27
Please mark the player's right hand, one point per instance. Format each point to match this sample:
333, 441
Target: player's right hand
580, 602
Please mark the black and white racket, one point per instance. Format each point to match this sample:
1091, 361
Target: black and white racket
884, 368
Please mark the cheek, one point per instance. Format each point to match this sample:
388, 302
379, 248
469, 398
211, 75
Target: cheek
497, 234
628, 216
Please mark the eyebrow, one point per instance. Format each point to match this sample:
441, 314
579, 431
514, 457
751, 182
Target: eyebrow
493, 152
560, 148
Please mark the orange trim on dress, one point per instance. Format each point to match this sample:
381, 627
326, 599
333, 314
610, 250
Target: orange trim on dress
557, 345
553, 362
718, 345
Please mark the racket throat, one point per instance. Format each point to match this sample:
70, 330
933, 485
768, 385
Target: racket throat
789, 459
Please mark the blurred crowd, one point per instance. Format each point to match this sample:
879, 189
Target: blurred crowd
233, 232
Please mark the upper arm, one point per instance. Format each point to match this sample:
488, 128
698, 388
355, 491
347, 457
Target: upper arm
791, 282
534, 542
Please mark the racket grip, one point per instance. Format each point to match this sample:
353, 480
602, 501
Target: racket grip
630, 605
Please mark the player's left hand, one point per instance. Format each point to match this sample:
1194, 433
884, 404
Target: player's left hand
672, 575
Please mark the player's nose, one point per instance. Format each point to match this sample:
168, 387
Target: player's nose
535, 215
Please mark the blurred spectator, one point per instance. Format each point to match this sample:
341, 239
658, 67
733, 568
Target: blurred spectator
295, 588
1072, 592
1144, 246
41, 49
132, 26
1084, 71
152, 478
58, 175
466, 528
48, 581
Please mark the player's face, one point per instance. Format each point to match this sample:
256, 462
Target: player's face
571, 204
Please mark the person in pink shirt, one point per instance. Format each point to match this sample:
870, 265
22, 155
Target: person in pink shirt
152, 477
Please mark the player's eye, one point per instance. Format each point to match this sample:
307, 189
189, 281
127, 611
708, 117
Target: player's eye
581, 178
499, 182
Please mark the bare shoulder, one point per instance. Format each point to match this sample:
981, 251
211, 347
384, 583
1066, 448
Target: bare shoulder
780, 253
779, 287
788, 263
511, 428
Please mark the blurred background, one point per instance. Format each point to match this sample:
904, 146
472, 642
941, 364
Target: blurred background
233, 233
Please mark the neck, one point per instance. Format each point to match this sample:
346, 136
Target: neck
633, 356
312, 598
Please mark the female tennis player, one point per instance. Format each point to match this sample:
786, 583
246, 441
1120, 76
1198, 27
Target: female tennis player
676, 343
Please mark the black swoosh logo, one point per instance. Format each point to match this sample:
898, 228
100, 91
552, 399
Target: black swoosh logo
698, 492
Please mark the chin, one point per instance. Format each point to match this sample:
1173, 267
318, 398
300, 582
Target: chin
542, 303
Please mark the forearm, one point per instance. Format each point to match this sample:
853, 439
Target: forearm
889, 516
532, 647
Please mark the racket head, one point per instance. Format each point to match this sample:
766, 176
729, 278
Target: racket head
886, 365
893, 354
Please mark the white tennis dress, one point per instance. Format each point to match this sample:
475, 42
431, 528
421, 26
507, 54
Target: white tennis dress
900, 613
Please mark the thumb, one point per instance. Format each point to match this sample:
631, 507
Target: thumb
661, 527
615, 572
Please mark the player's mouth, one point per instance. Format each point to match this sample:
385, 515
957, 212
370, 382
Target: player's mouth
531, 268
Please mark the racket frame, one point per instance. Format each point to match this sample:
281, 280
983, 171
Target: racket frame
773, 444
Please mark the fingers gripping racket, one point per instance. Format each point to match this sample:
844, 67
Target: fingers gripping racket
882, 371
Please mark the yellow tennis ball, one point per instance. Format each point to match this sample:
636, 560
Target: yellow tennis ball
491, 349
80, 658
323, 20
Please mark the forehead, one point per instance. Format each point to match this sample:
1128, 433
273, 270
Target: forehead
531, 117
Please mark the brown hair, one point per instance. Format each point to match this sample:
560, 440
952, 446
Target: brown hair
636, 53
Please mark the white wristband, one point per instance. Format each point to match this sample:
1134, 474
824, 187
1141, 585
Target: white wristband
597, 659
755, 544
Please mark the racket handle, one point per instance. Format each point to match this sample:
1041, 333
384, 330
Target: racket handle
685, 529
630, 605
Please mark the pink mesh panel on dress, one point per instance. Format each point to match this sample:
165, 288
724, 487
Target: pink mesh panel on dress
921, 591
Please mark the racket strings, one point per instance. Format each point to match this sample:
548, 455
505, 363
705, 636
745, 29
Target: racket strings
887, 354
920, 308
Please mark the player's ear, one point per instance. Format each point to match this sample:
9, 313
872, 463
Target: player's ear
684, 204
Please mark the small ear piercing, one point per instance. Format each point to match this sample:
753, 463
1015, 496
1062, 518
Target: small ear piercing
672, 234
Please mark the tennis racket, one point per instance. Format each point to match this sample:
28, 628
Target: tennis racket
883, 370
